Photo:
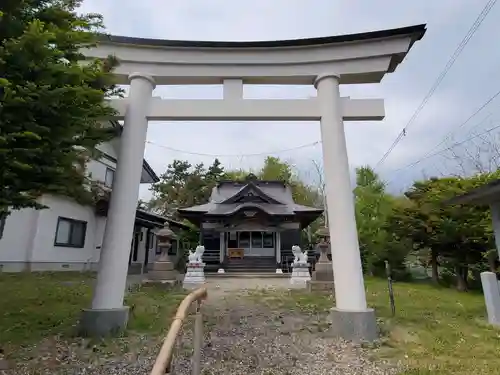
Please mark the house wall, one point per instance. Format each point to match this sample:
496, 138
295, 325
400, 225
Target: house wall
37, 237
29, 236
152, 248
97, 168
18, 235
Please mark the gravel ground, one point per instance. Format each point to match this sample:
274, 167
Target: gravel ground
241, 338
251, 339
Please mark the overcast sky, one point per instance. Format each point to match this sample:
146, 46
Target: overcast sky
473, 79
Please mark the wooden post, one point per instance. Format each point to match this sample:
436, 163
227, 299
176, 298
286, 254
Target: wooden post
198, 341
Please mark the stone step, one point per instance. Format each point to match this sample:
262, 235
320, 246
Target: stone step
247, 275
247, 265
251, 270
272, 264
251, 262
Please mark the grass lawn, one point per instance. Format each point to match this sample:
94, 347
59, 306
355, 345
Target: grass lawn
38, 305
435, 331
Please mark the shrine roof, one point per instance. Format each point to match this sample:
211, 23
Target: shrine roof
229, 197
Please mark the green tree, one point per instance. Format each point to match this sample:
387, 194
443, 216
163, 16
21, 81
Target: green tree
275, 169
185, 185
374, 211
278, 170
236, 175
458, 238
51, 105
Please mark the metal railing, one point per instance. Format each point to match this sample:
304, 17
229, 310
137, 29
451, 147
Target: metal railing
163, 361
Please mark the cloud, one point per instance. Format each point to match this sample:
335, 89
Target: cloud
468, 84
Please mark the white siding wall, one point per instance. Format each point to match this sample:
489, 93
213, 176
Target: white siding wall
44, 250
20, 228
29, 237
97, 168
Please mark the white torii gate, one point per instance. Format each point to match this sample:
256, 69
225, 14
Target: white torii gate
323, 62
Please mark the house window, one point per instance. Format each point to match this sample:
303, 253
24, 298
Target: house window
3, 218
70, 233
110, 176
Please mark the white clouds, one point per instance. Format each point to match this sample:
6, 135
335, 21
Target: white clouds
467, 85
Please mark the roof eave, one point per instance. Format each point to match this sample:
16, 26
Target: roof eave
160, 219
483, 195
150, 171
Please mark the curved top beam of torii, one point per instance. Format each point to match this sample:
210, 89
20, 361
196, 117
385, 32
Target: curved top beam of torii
357, 58
354, 58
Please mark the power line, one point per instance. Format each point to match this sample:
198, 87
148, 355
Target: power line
448, 135
445, 149
475, 26
235, 155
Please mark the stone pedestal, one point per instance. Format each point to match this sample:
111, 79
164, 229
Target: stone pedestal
162, 271
300, 275
195, 276
322, 277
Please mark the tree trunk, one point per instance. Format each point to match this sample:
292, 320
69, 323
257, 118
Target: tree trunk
461, 280
434, 264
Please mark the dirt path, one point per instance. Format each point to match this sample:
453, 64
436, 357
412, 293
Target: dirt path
220, 287
248, 336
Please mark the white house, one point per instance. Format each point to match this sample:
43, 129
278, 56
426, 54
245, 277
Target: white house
68, 235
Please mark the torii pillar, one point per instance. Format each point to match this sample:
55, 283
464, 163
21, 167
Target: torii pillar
351, 319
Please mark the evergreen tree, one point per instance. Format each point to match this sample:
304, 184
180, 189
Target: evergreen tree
51, 105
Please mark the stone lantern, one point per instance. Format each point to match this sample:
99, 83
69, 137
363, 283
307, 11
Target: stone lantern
322, 277
164, 236
323, 244
163, 268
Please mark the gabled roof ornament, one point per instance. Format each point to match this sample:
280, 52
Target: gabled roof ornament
251, 177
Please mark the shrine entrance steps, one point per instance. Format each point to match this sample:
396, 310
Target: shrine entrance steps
251, 265
247, 275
